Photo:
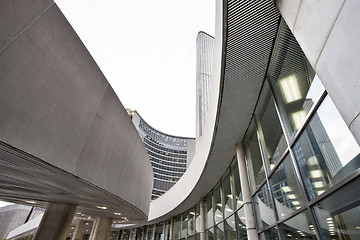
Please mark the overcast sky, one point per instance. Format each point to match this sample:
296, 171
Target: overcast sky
146, 50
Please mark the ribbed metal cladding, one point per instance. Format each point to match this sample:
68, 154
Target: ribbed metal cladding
204, 64
252, 27
251, 30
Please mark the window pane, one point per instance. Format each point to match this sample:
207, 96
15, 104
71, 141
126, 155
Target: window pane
253, 158
158, 233
326, 152
339, 214
210, 234
240, 224
269, 234
228, 199
263, 207
150, 232
219, 232
236, 184
270, 133
191, 237
177, 226
166, 230
298, 227
209, 210
218, 214
197, 217
286, 189
230, 228
191, 222
185, 220
291, 77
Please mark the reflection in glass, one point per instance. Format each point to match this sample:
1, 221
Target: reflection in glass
339, 214
177, 226
191, 222
159, 233
326, 151
298, 227
270, 133
269, 234
230, 228
263, 207
210, 234
240, 224
197, 218
218, 206
185, 220
209, 210
150, 232
235, 181
226, 192
253, 158
191, 237
292, 79
219, 232
286, 189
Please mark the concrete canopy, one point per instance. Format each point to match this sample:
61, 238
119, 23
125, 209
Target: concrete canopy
64, 135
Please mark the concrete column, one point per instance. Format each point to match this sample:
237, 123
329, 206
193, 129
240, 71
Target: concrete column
171, 234
101, 229
55, 222
245, 189
79, 230
202, 219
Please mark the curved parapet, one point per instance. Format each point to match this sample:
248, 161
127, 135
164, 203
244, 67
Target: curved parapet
65, 136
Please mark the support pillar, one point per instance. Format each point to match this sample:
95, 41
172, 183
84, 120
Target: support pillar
101, 229
79, 230
55, 222
245, 189
202, 219
171, 232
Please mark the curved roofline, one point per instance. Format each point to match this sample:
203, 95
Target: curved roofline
192, 138
202, 32
239, 73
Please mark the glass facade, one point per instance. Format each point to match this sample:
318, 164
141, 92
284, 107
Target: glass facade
303, 163
168, 157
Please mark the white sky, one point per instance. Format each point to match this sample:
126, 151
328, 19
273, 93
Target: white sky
147, 51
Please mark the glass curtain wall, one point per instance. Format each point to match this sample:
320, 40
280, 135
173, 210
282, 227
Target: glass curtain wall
300, 154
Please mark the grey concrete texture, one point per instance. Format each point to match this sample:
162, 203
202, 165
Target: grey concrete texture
57, 105
101, 229
329, 34
79, 230
289, 10
56, 222
11, 24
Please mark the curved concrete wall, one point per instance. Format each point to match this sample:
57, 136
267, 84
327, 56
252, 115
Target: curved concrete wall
56, 104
